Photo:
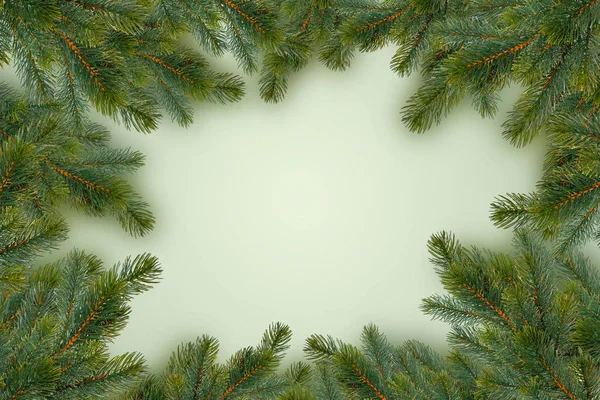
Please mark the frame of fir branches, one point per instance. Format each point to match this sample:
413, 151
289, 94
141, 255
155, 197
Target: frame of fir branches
525, 325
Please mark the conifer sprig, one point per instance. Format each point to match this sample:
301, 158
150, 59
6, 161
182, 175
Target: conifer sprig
55, 328
518, 323
194, 373
124, 59
46, 161
565, 205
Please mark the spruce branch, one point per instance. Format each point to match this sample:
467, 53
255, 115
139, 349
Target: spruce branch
56, 326
564, 206
22, 239
45, 160
194, 373
83, 53
550, 301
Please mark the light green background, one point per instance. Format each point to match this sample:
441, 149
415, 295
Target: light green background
314, 212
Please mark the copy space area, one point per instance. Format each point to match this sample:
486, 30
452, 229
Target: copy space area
314, 212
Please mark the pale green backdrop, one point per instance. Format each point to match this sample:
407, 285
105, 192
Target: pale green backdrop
314, 212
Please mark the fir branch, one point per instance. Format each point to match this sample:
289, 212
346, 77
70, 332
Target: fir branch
91, 316
389, 18
576, 230
252, 20
118, 370
6, 177
363, 378
307, 19
84, 381
73, 97
89, 184
92, 71
18, 393
511, 210
14, 245
514, 49
451, 311
178, 72
212, 39
586, 6
478, 294
576, 195
242, 49
559, 62
240, 381
21, 238
557, 381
